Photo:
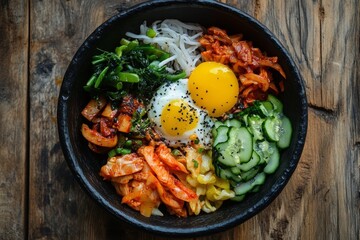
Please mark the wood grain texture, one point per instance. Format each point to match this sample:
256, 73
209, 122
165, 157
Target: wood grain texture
13, 117
59, 209
40, 199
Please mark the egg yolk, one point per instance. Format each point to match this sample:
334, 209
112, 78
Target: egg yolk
178, 117
214, 87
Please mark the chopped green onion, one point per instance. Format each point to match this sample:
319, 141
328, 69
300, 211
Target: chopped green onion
133, 44
112, 153
119, 86
124, 41
138, 143
90, 83
128, 143
123, 151
101, 76
151, 33
119, 50
176, 152
128, 77
97, 61
200, 150
196, 164
175, 76
118, 151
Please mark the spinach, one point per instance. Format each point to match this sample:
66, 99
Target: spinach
132, 67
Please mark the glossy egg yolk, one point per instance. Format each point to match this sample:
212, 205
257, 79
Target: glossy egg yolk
214, 87
178, 117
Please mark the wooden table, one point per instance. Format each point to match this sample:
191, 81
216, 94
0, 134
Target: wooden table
39, 198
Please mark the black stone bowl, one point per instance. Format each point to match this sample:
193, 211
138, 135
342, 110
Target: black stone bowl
85, 165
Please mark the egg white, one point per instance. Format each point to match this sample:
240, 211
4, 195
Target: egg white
174, 91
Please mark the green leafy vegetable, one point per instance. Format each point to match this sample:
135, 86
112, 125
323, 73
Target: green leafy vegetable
196, 163
131, 67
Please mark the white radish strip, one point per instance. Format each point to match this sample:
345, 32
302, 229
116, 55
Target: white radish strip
177, 38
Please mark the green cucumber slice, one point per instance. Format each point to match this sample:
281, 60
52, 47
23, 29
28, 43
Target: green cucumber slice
232, 123
285, 133
218, 124
255, 126
242, 141
235, 170
226, 173
255, 159
237, 149
274, 161
250, 174
228, 122
271, 128
224, 157
221, 135
277, 104
256, 189
238, 198
263, 149
245, 187
268, 106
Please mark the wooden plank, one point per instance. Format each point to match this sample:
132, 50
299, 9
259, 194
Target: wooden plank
13, 108
273, 222
59, 209
321, 200
339, 100
280, 220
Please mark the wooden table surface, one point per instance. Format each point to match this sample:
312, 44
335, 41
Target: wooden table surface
39, 197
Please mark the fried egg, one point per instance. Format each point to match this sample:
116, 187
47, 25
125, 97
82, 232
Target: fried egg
213, 87
177, 118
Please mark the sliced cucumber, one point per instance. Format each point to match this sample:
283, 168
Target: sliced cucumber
247, 148
228, 122
238, 198
237, 149
236, 178
241, 142
225, 157
278, 106
255, 126
268, 106
256, 188
245, 187
217, 168
255, 159
227, 174
274, 161
221, 134
245, 119
235, 170
250, 174
285, 133
224, 173
265, 108
232, 123
263, 149
218, 124
272, 127
233, 184
214, 132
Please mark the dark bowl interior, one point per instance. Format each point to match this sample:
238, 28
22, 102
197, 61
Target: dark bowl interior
85, 165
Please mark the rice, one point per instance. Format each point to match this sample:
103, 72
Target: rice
177, 38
